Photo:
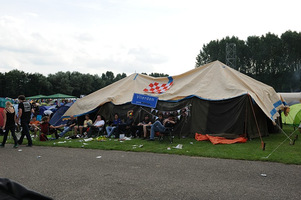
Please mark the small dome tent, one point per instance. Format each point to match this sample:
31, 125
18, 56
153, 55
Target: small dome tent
294, 116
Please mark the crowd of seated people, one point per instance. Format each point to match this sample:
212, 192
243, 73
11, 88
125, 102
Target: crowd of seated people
144, 129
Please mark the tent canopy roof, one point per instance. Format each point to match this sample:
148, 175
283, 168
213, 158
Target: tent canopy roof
213, 81
40, 96
59, 96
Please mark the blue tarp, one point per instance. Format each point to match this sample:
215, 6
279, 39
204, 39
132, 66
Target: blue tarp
44, 108
57, 117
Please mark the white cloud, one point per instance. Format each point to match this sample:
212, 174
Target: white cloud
128, 35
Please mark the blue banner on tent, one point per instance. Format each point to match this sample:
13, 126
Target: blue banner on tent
144, 100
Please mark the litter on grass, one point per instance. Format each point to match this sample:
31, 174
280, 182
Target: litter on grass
88, 139
124, 139
101, 138
179, 146
127, 138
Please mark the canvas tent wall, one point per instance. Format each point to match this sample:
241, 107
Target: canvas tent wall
208, 89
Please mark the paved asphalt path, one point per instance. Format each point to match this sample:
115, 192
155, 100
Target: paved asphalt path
71, 174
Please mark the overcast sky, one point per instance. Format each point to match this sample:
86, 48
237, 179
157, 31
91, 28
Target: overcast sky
95, 36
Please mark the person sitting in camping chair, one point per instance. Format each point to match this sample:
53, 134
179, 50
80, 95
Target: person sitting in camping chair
97, 126
158, 126
83, 128
69, 126
47, 129
143, 126
127, 127
34, 125
111, 129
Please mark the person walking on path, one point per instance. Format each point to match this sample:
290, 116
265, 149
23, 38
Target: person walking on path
24, 113
9, 120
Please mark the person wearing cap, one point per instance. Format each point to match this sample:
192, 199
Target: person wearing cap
24, 114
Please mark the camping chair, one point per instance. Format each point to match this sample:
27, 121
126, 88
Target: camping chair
100, 131
127, 130
96, 131
167, 134
46, 130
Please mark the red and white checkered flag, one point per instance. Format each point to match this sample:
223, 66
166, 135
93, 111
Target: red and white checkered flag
158, 87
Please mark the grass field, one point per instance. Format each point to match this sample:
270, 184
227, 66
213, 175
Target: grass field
277, 148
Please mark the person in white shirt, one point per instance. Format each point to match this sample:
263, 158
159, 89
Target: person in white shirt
97, 125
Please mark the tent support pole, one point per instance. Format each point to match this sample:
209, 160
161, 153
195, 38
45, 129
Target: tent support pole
262, 143
246, 122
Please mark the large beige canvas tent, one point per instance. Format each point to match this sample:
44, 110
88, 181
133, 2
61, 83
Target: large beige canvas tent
215, 94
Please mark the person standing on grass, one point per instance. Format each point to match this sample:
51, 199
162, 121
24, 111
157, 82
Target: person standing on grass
9, 120
24, 113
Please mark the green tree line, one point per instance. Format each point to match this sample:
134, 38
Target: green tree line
15, 82
270, 59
